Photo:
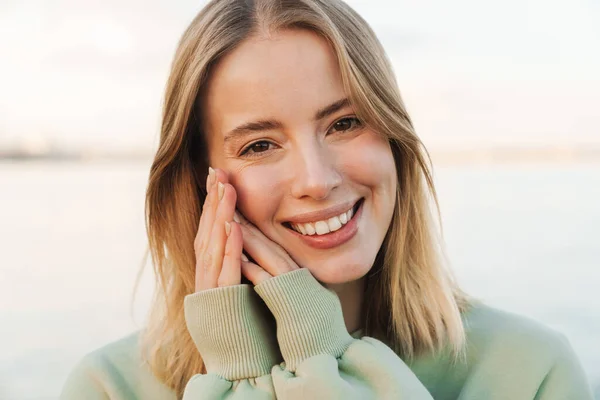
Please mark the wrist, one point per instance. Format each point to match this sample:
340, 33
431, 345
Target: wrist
309, 317
233, 331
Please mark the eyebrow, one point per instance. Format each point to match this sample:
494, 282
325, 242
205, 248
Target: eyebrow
271, 124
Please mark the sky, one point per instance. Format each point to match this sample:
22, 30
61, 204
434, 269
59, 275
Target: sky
472, 73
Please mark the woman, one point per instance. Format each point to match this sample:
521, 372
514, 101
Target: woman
287, 160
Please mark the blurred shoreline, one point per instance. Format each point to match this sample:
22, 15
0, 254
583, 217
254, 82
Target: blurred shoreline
550, 154
523, 238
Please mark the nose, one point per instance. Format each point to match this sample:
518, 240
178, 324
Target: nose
316, 175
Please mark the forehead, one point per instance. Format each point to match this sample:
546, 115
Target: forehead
287, 76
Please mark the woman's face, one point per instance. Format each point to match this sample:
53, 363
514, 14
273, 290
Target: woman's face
278, 122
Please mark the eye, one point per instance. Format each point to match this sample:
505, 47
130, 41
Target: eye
257, 147
345, 124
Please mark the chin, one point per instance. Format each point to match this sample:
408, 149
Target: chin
338, 272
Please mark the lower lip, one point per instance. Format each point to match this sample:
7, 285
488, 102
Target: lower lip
333, 239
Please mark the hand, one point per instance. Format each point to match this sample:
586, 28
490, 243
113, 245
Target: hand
268, 258
218, 242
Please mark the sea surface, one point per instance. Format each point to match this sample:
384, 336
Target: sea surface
525, 238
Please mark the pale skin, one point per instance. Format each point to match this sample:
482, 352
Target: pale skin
221, 239
225, 265
313, 154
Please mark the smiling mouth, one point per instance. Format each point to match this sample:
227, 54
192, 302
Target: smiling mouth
319, 228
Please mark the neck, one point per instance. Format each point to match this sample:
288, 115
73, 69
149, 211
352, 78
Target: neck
351, 296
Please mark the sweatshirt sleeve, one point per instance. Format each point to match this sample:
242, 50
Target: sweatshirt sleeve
236, 339
321, 360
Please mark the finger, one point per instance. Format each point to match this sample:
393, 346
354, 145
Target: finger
254, 230
213, 255
254, 273
207, 215
205, 226
268, 254
202, 240
239, 218
221, 175
210, 202
231, 273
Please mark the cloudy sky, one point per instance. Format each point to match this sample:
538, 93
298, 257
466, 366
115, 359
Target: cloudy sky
91, 72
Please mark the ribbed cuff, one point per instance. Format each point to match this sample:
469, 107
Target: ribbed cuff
309, 317
233, 332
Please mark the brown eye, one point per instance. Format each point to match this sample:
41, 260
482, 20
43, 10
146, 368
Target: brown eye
257, 147
345, 124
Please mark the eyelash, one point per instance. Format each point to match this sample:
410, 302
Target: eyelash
246, 151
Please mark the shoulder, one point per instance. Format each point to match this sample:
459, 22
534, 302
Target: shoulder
119, 353
489, 329
121, 357
116, 371
507, 350
507, 356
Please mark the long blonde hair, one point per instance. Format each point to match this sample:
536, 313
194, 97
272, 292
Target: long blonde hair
414, 304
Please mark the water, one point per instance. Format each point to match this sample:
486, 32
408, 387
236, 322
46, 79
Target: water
523, 238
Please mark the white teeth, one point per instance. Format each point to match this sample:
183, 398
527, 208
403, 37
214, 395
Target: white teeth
350, 213
310, 229
322, 228
301, 229
334, 224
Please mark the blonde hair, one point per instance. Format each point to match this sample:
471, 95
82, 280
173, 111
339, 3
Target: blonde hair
414, 304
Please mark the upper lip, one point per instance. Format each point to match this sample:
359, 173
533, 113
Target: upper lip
322, 215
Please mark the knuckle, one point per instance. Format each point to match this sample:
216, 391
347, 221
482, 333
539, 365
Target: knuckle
198, 246
207, 260
281, 260
281, 253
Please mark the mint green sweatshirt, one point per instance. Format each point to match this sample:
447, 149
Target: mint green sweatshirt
508, 356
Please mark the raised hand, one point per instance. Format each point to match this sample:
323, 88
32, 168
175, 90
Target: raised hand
218, 242
270, 259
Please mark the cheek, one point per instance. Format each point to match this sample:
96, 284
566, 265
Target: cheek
257, 193
370, 162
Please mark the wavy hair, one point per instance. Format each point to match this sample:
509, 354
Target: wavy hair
414, 303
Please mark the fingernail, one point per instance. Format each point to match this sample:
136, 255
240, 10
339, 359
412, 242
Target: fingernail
221, 190
244, 258
227, 228
208, 182
236, 218
210, 179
